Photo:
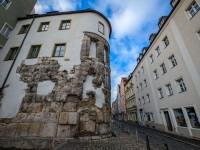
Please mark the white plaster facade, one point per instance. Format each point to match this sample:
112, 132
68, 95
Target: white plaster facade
181, 31
85, 21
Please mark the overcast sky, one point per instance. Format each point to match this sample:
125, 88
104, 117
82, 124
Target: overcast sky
132, 22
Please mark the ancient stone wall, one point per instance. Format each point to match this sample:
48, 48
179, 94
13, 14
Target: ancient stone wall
63, 113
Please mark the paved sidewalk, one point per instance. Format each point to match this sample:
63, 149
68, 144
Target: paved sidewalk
123, 141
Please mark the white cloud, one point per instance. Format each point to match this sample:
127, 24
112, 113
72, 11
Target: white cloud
44, 6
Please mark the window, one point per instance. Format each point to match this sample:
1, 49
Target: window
165, 41
172, 61
65, 24
5, 3
143, 100
148, 116
141, 85
158, 51
151, 114
6, 30
101, 28
155, 74
138, 73
194, 121
198, 34
34, 51
139, 101
148, 98
43, 26
12, 53
59, 50
181, 85
160, 93
169, 89
180, 119
142, 68
137, 89
151, 58
145, 82
24, 29
163, 68
193, 9
135, 77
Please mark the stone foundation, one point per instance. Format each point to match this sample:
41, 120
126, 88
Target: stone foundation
62, 113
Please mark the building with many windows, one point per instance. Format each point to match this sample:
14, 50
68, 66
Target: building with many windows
10, 10
167, 75
130, 101
122, 98
56, 78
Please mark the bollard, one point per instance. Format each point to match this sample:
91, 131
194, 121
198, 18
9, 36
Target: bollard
166, 146
137, 135
147, 142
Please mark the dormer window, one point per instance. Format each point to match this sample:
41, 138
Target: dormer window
151, 38
144, 50
162, 21
140, 56
173, 2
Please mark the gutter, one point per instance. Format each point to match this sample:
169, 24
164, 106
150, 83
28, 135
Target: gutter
12, 65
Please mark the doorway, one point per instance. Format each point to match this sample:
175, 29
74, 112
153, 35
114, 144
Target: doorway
168, 121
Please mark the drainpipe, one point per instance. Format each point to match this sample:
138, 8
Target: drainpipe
11, 67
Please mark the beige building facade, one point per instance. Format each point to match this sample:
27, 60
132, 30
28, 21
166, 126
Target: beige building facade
131, 109
167, 76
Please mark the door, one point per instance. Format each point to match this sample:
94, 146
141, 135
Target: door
168, 121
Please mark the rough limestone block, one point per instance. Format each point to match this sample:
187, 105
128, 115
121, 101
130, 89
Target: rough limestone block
63, 131
21, 117
90, 126
2, 128
82, 126
100, 117
70, 106
63, 119
22, 129
55, 106
49, 130
31, 117
37, 107
73, 118
84, 117
10, 130
103, 128
36, 129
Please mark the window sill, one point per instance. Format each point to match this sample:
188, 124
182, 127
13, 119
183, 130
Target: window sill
182, 91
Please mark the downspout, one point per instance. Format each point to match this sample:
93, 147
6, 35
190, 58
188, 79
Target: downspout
11, 67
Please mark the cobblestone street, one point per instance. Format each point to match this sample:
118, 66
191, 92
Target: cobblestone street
123, 141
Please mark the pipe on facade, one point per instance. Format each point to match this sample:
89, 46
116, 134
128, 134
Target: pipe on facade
11, 67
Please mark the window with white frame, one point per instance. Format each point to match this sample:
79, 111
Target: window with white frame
44, 26
141, 86
59, 50
165, 41
172, 61
163, 68
5, 3
145, 82
155, 74
101, 28
193, 9
151, 58
160, 93
148, 98
65, 24
169, 89
194, 121
198, 34
6, 30
139, 102
181, 85
143, 100
158, 51
180, 118
142, 68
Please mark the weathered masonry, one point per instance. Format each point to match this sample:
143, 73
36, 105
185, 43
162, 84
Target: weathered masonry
55, 80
